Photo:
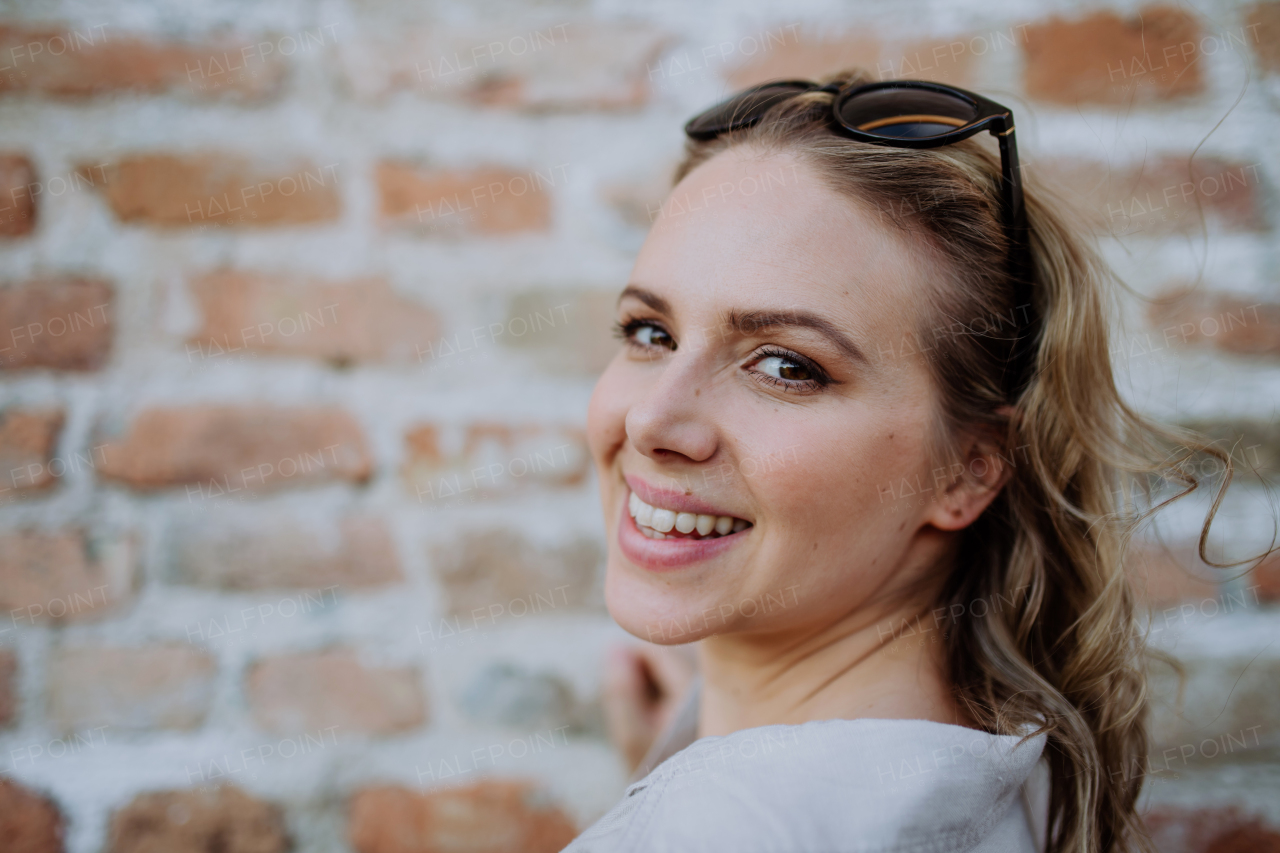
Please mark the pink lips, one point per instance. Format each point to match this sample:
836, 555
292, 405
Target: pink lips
660, 555
671, 499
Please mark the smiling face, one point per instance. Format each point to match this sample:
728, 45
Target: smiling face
753, 433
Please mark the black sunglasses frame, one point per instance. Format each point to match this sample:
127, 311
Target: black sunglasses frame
988, 116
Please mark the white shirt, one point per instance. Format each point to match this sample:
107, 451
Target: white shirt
834, 786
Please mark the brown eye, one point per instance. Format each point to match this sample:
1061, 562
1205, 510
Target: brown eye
650, 335
780, 367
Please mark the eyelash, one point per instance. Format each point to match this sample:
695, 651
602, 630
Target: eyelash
819, 381
623, 330
626, 329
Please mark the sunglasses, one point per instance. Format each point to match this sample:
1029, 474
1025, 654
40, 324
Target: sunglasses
907, 114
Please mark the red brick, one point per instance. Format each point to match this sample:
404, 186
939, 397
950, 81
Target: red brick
1166, 195
141, 688
225, 819
17, 200
62, 576
310, 691
217, 450
1246, 839
29, 822
485, 200
483, 460
220, 189
277, 553
565, 331
493, 816
1106, 59
1266, 577
1162, 577
1263, 33
808, 57
72, 62
66, 323
813, 55
8, 690
566, 67
502, 574
27, 441
1224, 829
361, 320
1233, 324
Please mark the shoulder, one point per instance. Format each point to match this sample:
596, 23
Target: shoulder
894, 785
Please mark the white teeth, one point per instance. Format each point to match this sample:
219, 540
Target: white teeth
656, 523
663, 520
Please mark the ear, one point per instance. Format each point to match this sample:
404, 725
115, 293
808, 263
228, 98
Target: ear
968, 487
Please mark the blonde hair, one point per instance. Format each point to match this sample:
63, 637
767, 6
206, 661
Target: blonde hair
1067, 657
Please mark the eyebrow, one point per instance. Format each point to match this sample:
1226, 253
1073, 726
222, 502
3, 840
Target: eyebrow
648, 297
752, 322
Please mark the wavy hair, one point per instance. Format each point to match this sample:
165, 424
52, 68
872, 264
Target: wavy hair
1068, 656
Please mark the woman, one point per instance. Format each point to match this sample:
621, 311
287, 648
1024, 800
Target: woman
863, 445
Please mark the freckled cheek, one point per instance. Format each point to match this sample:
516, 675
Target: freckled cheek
607, 413
831, 487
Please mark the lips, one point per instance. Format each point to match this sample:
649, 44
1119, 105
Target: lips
661, 523
675, 500
684, 543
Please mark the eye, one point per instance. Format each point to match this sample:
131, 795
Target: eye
789, 371
645, 334
781, 367
653, 336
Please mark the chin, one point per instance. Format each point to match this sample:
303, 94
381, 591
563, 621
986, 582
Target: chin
651, 609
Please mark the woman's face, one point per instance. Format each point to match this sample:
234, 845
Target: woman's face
762, 388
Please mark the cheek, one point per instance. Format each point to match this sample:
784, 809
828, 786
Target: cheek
839, 482
837, 533
607, 414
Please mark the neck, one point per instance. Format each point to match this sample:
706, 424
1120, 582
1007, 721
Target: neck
875, 662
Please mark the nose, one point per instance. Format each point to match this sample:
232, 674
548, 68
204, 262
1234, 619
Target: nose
671, 420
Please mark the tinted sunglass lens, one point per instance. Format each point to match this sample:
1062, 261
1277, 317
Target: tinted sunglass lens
742, 110
905, 112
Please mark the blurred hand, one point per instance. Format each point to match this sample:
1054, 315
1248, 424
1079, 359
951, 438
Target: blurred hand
643, 688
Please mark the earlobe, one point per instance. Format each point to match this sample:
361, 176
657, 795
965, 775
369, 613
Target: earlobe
960, 508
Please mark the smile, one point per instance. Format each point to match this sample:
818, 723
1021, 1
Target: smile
660, 523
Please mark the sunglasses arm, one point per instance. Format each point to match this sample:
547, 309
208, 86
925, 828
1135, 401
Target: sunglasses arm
1020, 253
1011, 191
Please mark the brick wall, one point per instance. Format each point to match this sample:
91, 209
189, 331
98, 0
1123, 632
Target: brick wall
300, 307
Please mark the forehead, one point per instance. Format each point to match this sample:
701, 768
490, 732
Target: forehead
752, 231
